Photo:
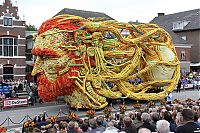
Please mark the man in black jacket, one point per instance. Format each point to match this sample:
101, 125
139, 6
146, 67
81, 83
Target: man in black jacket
189, 125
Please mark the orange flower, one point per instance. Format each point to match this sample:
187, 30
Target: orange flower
3, 129
72, 116
137, 105
91, 113
163, 102
29, 123
122, 108
151, 103
176, 101
188, 100
107, 112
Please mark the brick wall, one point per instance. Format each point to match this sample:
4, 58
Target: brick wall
13, 61
17, 31
187, 53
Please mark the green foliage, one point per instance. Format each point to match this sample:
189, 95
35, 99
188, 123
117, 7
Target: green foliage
31, 28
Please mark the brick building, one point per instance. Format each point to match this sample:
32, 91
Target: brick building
12, 43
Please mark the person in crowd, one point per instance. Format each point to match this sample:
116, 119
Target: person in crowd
100, 121
56, 126
39, 118
93, 125
63, 126
15, 88
84, 127
73, 127
129, 127
52, 130
162, 112
120, 124
168, 117
35, 120
179, 120
155, 117
185, 82
169, 98
146, 118
138, 121
40, 101
178, 88
144, 130
196, 117
30, 98
2, 96
110, 128
20, 86
188, 120
195, 108
36, 130
162, 126
13, 94
35, 94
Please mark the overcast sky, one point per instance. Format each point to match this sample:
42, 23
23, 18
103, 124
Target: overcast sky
37, 11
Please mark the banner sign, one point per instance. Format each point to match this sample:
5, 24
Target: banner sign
11, 102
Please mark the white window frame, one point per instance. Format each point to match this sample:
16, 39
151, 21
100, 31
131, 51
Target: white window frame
14, 45
184, 37
8, 19
179, 25
183, 55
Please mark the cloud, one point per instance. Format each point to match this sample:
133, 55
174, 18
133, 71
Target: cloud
37, 11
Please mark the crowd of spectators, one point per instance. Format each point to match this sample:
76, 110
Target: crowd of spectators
190, 78
13, 89
8, 88
182, 117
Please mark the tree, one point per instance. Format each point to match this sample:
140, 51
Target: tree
31, 28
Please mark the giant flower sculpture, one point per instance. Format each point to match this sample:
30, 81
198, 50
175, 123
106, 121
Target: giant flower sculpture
78, 58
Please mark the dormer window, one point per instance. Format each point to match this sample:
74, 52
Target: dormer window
179, 25
7, 21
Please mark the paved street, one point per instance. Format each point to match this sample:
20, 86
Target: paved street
17, 115
193, 94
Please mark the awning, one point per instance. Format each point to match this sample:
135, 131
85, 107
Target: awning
195, 64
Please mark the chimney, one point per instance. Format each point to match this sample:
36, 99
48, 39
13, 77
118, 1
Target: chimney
161, 14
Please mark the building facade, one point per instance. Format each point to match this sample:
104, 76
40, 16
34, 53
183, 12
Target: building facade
12, 43
184, 28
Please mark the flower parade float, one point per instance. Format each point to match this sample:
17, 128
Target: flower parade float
89, 60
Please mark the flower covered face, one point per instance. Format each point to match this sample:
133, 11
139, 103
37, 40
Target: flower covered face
51, 59
52, 65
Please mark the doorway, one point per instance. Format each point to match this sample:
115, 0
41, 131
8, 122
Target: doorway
8, 72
